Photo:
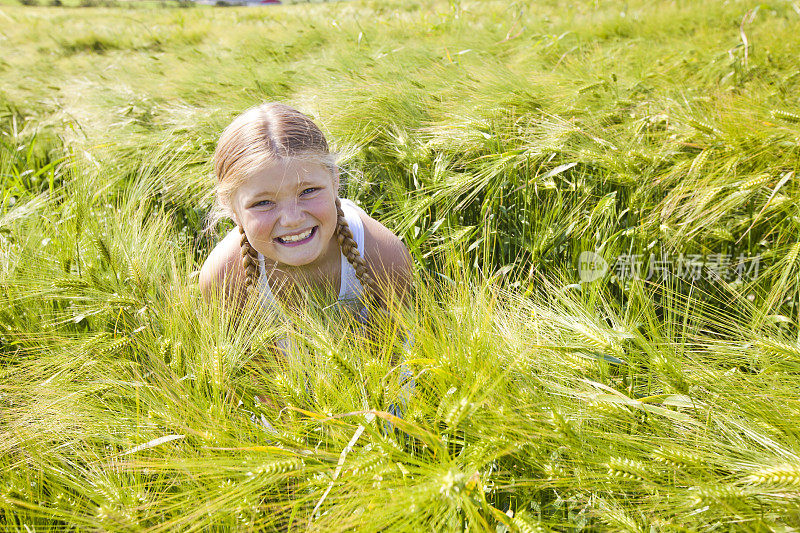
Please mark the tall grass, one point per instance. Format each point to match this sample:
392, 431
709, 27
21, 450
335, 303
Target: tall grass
499, 144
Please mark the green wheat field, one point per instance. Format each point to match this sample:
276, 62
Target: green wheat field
602, 201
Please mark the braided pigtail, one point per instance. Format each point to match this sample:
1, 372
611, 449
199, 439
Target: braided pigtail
249, 262
350, 251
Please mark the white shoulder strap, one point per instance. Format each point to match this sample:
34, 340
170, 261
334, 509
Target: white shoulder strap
349, 287
267, 299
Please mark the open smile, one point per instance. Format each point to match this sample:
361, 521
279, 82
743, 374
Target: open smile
298, 238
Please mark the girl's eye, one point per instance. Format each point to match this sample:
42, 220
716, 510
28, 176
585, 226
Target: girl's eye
309, 190
263, 203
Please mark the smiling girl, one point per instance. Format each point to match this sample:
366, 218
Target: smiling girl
279, 183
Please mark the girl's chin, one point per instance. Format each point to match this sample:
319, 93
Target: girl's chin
295, 257
296, 263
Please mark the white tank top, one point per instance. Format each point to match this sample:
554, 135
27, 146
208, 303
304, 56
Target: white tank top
350, 288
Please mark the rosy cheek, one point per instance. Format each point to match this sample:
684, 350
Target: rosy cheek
322, 205
260, 225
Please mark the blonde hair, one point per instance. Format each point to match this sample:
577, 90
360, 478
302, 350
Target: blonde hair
265, 134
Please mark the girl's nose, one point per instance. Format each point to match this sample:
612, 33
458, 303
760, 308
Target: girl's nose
291, 215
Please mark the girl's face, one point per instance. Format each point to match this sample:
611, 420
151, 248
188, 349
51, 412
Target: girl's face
288, 211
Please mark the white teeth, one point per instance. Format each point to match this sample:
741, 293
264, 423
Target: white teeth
298, 237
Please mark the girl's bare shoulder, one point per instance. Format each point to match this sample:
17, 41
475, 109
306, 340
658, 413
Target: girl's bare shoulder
386, 256
223, 270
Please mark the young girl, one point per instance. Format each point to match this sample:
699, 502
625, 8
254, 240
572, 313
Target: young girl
278, 181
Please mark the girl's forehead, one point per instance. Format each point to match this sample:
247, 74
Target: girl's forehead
286, 174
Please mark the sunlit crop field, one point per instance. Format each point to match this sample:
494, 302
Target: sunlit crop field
603, 206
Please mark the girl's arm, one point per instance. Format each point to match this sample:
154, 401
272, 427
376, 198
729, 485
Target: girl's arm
388, 260
223, 272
